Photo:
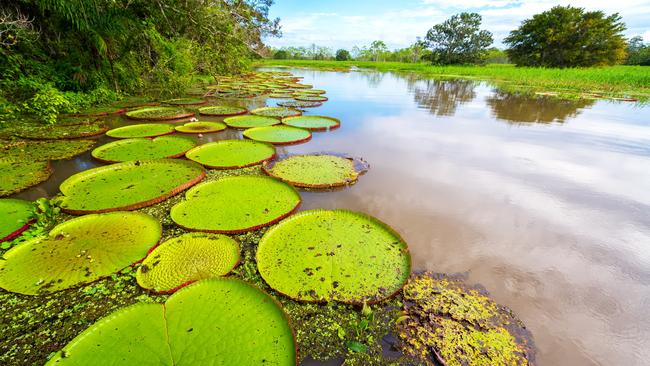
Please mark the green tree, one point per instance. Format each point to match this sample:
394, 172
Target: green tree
343, 55
459, 40
378, 50
638, 53
281, 55
566, 36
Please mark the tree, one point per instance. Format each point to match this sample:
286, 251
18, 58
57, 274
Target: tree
343, 55
459, 40
568, 37
281, 55
638, 53
378, 49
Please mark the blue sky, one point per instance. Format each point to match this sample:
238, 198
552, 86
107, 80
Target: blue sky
346, 23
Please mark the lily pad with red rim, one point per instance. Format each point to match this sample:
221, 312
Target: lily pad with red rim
222, 110
278, 135
186, 101
231, 154
201, 127
313, 123
16, 176
63, 131
45, 150
317, 170
15, 217
311, 98
158, 114
277, 112
143, 149
141, 130
250, 121
299, 104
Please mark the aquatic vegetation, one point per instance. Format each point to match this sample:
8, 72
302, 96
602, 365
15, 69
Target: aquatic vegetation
201, 127
100, 111
143, 149
16, 176
334, 255
277, 112
222, 110
278, 135
127, 186
313, 123
311, 98
317, 170
456, 324
188, 258
45, 150
62, 131
158, 114
186, 101
231, 154
237, 323
141, 130
281, 95
299, 104
79, 251
311, 91
235, 204
15, 217
251, 121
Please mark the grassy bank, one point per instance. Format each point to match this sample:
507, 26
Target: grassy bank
609, 82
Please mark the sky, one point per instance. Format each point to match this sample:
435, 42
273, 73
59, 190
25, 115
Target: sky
347, 23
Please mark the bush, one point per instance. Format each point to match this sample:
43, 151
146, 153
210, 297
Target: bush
48, 103
343, 55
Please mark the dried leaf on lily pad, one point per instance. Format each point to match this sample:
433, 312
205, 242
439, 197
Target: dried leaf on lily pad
222, 110
457, 324
317, 170
278, 135
143, 149
278, 112
16, 176
235, 204
141, 130
219, 321
45, 150
250, 121
158, 114
313, 123
334, 255
188, 258
15, 217
79, 251
63, 131
231, 154
201, 127
128, 186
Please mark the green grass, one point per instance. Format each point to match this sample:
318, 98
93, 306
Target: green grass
613, 81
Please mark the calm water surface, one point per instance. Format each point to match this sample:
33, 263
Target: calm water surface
544, 202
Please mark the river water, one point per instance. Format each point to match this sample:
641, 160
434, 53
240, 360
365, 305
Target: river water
546, 203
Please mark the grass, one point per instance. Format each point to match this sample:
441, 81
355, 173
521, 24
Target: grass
613, 82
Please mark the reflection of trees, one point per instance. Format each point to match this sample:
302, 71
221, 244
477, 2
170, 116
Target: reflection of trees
515, 108
442, 98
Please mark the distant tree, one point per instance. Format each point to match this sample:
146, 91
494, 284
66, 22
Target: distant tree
343, 55
638, 53
496, 56
281, 55
378, 50
459, 40
568, 37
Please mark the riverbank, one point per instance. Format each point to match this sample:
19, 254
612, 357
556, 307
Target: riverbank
617, 82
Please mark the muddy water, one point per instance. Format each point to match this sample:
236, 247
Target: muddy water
544, 202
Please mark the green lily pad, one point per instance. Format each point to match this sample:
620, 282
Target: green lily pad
158, 114
219, 321
278, 135
128, 186
245, 122
186, 259
323, 255
299, 104
317, 170
186, 101
231, 154
143, 149
45, 150
79, 251
66, 131
313, 123
222, 110
281, 95
235, 204
100, 111
312, 91
15, 217
141, 130
311, 98
277, 112
17, 176
201, 127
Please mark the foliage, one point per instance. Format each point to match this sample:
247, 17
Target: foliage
638, 53
459, 40
343, 55
566, 36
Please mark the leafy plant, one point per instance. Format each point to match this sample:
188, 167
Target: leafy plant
459, 40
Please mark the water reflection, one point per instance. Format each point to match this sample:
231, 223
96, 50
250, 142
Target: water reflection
518, 109
440, 97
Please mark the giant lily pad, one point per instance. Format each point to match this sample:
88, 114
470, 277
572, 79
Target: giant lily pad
323, 255
219, 321
317, 171
19, 175
15, 217
244, 122
278, 112
313, 123
128, 186
45, 150
299, 104
141, 130
310, 98
186, 259
79, 251
235, 204
201, 127
64, 131
278, 135
222, 110
186, 101
158, 114
231, 154
143, 149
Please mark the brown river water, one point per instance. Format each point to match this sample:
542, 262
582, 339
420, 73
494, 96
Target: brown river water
544, 202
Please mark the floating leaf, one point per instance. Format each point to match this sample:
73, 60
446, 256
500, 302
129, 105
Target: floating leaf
79, 251
186, 259
313, 123
222, 110
186, 101
143, 149
100, 111
45, 150
158, 114
219, 321
128, 186
317, 171
231, 154
20, 175
141, 130
235, 204
310, 98
63, 131
278, 135
201, 127
299, 104
244, 122
323, 255
15, 217
278, 112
